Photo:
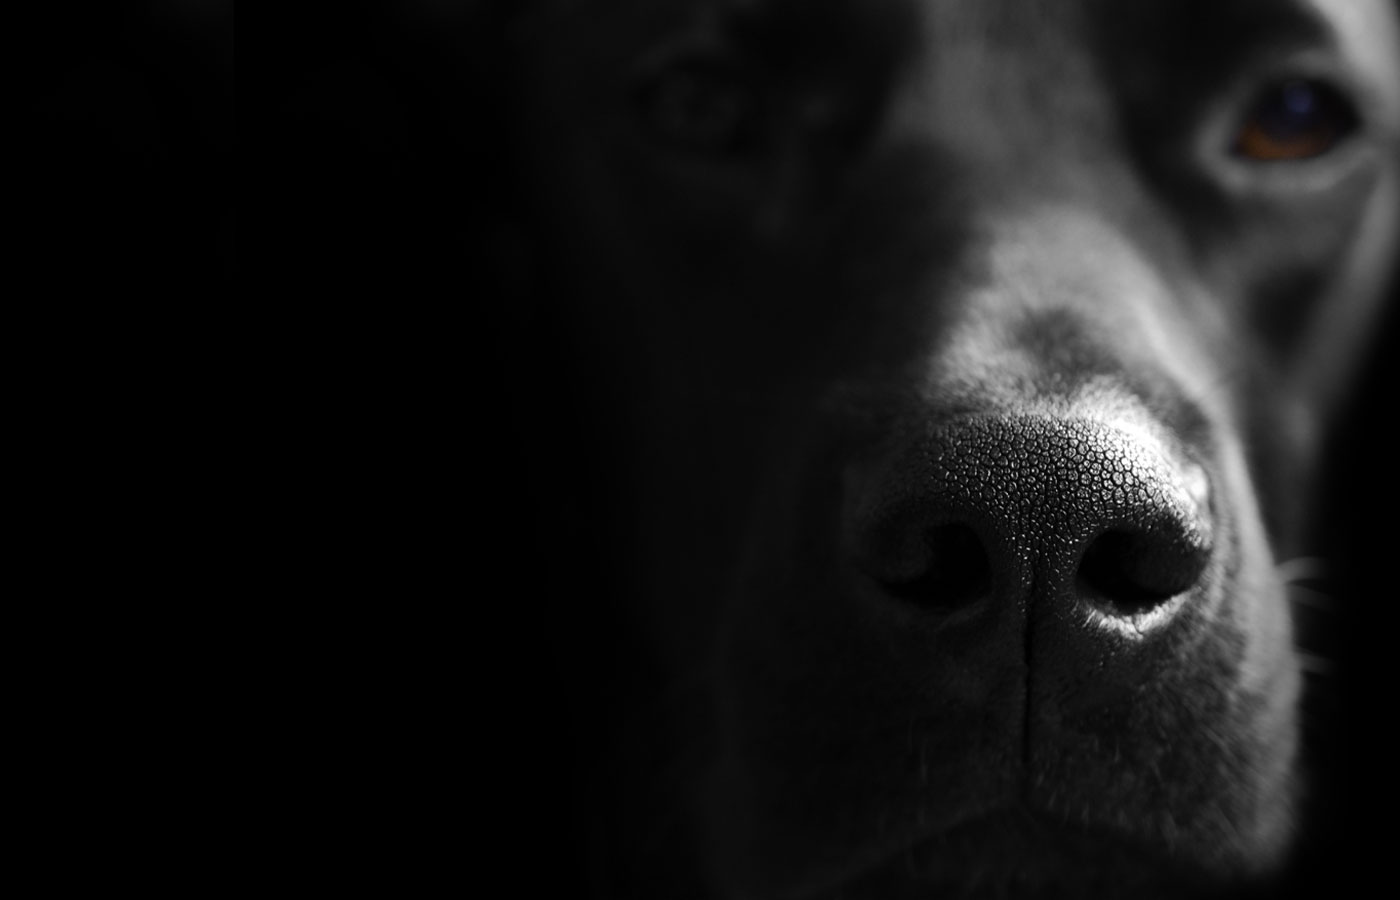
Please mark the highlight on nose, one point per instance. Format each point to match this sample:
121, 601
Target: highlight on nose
1067, 511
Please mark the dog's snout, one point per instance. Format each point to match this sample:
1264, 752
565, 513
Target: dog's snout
1082, 515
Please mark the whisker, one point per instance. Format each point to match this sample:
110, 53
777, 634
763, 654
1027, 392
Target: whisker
1303, 568
1312, 664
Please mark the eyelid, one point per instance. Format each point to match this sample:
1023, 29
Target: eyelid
1309, 65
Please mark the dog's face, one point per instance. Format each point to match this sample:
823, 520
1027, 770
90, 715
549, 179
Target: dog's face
961, 366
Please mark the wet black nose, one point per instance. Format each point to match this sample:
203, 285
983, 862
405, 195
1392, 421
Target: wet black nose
1078, 513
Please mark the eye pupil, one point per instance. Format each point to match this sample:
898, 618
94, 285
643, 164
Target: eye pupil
1299, 98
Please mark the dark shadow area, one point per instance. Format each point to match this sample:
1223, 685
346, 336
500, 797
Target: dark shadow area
128, 157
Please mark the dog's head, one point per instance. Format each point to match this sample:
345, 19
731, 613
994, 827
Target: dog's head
957, 369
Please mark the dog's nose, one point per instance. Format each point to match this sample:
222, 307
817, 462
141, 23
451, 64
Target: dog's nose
1072, 515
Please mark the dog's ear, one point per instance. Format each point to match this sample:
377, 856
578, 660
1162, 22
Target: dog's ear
390, 173
393, 184
1360, 497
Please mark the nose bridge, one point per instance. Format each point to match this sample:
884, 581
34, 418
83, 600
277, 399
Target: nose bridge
978, 88
1057, 296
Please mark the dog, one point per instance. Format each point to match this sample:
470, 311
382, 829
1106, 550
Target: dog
924, 403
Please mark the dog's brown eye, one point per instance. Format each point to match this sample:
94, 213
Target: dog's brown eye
700, 106
1295, 120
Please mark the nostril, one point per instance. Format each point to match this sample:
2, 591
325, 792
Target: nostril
1130, 572
954, 571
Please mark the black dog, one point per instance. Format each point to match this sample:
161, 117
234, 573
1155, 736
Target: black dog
962, 362
934, 391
